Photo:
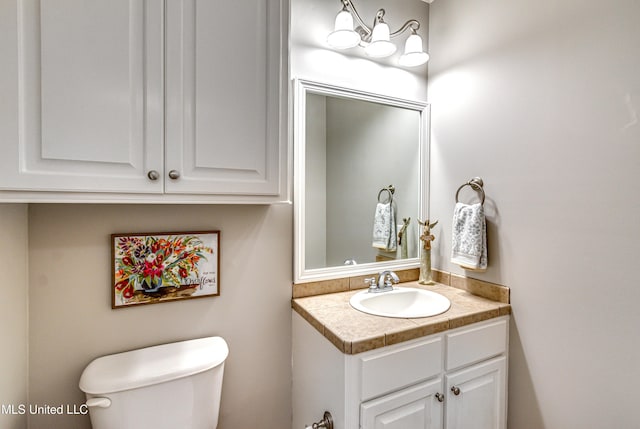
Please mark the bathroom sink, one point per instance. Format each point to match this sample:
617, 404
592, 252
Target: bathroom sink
402, 302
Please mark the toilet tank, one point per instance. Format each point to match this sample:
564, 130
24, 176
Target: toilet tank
176, 385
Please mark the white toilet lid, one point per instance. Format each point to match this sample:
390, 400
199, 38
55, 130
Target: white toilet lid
152, 365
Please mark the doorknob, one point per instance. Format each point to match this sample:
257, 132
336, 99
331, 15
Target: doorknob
440, 397
174, 174
153, 175
455, 390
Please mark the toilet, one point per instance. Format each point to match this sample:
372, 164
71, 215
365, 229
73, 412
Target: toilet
176, 385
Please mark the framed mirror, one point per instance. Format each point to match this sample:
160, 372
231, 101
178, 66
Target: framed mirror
361, 181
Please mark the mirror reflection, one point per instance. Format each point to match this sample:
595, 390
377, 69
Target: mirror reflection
363, 164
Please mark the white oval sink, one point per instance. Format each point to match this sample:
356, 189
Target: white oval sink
401, 302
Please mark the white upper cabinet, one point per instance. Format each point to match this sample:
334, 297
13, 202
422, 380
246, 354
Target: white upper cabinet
171, 101
222, 97
89, 96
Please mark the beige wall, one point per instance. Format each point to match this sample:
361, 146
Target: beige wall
71, 320
13, 313
541, 99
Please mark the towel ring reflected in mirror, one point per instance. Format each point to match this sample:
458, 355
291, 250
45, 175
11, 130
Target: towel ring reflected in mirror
390, 191
477, 184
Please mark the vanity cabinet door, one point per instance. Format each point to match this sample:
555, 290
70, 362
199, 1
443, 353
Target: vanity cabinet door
475, 396
416, 407
81, 84
223, 97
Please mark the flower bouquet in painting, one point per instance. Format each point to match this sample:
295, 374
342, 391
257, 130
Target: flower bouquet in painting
160, 267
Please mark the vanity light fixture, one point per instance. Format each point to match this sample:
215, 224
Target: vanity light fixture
343, 36
376, 40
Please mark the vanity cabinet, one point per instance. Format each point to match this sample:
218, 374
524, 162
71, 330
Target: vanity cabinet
147, 100
451, 380
414, 407
475, 380
475, 396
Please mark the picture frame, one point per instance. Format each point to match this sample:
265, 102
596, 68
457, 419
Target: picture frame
150, 268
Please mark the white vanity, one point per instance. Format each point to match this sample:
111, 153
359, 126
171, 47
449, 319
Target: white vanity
452, 374
444, 371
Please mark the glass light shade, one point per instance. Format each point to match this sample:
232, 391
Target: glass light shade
380, 45
413, 54
343, 36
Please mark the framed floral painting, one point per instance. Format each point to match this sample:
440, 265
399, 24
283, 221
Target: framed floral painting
158, 267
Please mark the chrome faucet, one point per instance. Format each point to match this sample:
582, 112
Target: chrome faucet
386, 280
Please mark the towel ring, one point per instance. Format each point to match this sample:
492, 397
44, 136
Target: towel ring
477, 185
390, 191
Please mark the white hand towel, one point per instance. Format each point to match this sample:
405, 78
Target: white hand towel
469, 244
384, 227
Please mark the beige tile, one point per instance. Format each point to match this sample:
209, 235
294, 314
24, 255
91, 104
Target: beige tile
337, 341
465, 307
467, 319
308, 317
487, 290
320, 288
352, 331
357, 282
471, 310
442, 277
433, 322
353, 326
442, 289
418, 330
366, 344
470, 304
410, 275
505, 310
326, 300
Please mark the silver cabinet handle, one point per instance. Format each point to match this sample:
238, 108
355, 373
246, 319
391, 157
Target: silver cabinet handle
174, 174
455, 390
153, 175
325, 423
440, 397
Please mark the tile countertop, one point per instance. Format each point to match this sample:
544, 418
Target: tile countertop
353, 331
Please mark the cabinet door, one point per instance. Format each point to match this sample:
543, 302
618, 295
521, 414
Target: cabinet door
476, 396
223, 97
415, 407
87, 112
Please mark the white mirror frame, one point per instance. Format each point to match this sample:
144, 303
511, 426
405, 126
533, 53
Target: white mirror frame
300, 89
